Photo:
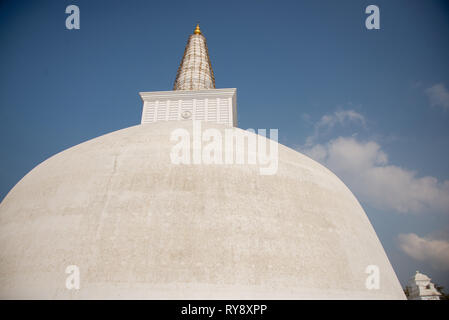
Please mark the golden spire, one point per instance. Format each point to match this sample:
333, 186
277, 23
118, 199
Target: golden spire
197, 29
195, 70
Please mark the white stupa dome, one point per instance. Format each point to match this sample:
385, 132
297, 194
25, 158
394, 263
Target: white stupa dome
138, 226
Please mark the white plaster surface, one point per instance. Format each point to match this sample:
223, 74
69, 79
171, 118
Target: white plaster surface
140, 227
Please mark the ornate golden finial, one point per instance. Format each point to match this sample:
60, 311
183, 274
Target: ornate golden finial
197, 29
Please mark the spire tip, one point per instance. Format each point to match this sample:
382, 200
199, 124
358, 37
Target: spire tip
197, 29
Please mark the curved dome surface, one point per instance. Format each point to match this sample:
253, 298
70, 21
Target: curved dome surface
138, 226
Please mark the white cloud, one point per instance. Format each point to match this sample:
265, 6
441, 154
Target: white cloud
364, 167
438, 95
435, 252
340, 117
329, 121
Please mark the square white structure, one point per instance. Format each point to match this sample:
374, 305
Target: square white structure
212, 105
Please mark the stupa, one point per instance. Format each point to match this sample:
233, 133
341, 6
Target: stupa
138, 226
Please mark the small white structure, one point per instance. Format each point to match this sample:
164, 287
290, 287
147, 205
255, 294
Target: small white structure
194, 96
210, 105
421, 288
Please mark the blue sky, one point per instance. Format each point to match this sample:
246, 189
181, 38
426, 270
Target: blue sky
372, 105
